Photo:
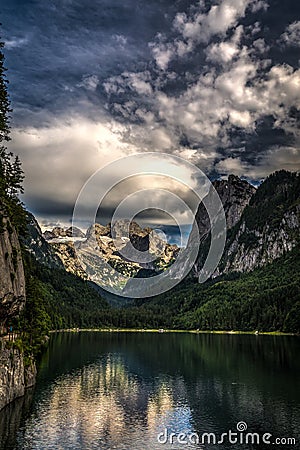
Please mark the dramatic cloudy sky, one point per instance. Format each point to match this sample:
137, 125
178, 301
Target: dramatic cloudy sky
216, 82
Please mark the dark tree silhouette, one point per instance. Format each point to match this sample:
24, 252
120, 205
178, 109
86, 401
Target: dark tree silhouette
11, 173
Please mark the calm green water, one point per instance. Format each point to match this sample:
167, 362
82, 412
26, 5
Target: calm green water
120, 390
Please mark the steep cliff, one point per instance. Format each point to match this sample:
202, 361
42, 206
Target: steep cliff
262, 224
235, 195
269, 225
37, 245
12, 279
14, 376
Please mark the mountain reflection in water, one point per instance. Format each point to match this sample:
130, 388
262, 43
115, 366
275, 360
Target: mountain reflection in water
119, 390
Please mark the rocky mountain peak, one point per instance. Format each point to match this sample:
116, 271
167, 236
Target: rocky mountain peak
60, 232
36, 243
112, 244
98, 230
263, 223
235, 194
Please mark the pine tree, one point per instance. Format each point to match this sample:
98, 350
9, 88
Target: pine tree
11, 173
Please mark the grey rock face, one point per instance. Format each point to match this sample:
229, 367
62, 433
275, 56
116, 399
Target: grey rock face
66, 252
37, 245
58, 232
235, 195
14, 378
12, 279
99, 242
255, 248
12, 383
262, 224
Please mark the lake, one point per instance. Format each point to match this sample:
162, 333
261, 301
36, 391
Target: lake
136, 391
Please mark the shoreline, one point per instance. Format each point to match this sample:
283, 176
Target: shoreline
166, 330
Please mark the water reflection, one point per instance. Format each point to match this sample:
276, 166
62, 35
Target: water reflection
11, 418
103, 406
105, 391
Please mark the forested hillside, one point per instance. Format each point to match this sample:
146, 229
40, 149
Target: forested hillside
267, 299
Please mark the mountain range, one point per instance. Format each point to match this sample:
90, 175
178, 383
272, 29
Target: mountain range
110, 245
255, 286
262, 225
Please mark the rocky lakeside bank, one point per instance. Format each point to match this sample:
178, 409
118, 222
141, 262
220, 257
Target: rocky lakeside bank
16, 375
16, 372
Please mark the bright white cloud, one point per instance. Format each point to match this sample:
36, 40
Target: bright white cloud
222, 52
213, 105
219, 19
217, 102
163, 54
292, 35
89, 82
199, 27
261, 46
225, 51
65, 154
68, 152
235, 97
233, 166
275, 158
140, 82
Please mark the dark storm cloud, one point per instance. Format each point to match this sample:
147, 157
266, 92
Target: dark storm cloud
216, 82
52, 207
53, 45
